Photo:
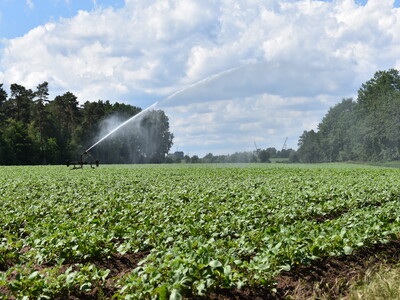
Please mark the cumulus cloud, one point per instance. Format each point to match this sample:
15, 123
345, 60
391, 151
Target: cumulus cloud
226, 126
244, 70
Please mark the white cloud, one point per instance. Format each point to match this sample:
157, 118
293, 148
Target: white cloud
30, 4
226, 126
303, 56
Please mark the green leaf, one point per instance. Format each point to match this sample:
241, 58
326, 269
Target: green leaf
169, 239
105, 274
348, 250
201, 287
215, 264
33, 275
238, 262
70, 277
286, 268
162, 292
240, 284
86, 287
175, 295
227, 270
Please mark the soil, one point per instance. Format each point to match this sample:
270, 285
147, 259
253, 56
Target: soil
119, 265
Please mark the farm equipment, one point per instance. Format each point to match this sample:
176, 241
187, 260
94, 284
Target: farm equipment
79, 164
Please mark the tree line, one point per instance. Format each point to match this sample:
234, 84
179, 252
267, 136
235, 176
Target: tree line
256, 156
366, 129
37, 130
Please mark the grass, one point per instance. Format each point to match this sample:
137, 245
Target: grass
383, 283
383, 164
334, 165
388, 164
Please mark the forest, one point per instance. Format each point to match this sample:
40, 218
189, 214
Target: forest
37, 130
367, 129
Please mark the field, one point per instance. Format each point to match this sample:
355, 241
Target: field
167, 232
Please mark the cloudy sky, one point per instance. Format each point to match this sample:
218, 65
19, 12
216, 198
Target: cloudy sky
228, 73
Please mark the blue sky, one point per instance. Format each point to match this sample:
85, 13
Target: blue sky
19, 16
228, 73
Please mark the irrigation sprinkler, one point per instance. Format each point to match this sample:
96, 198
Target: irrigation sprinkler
79, 164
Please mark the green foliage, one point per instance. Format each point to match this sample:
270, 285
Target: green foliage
36, 130
263, 156
18, 143
259, 155
366, 130
197, 228
376, 90
310, 147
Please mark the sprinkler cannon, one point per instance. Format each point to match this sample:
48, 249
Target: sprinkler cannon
79, 164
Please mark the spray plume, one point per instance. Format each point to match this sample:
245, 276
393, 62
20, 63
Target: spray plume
121, 125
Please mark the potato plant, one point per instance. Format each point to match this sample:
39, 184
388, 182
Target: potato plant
192, 229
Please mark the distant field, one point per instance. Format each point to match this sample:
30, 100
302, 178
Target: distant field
173, 231
388, 164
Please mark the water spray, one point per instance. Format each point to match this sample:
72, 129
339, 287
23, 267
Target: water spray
79, 164
202, 81
206, 80
119, 126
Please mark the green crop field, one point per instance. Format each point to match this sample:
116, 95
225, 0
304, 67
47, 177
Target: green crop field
167, 232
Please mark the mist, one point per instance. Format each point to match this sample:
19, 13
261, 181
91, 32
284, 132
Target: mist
144, 138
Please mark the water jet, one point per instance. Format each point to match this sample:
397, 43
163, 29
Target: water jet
176, 94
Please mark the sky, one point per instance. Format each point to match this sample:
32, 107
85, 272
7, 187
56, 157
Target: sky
230, 74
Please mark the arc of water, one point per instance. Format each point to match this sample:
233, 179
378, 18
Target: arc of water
205, 80
121, 125
197, 83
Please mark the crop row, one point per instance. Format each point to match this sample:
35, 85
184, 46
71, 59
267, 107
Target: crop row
198, 228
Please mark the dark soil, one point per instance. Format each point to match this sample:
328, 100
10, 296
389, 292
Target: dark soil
119, 265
